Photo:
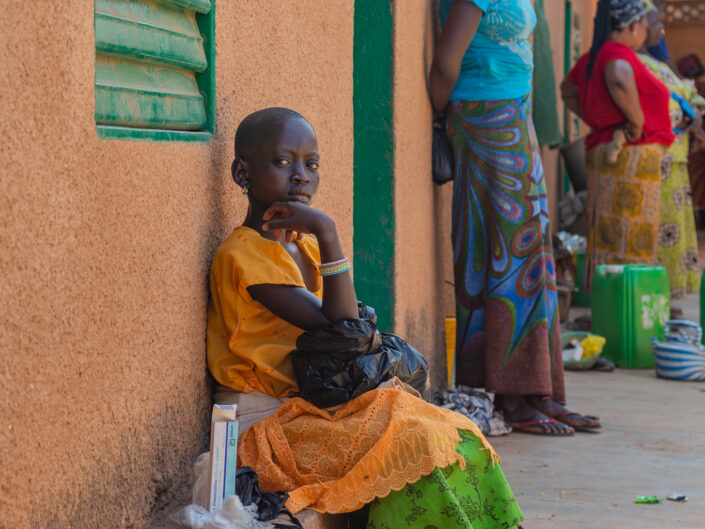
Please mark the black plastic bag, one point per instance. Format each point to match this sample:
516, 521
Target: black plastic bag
442, 165
365, 312
340, 361
270, 505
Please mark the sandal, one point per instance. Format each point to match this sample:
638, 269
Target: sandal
602, 364
523, 427
579, 427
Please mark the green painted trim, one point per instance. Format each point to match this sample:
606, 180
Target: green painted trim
131, 94
206, 79
199, 6
128, 133
567, 52
155, 110
150, 91
111, 91
373, 185
144, 41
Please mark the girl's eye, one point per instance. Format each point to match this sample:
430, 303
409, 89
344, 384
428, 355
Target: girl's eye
313, 164
282, 161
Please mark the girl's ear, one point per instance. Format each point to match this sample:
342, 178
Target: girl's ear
239, 173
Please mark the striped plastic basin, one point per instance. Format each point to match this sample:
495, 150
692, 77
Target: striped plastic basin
681, 356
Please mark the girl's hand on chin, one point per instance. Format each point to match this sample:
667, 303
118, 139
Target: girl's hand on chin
296, 217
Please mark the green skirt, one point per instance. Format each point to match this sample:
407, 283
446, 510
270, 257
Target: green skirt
477, 497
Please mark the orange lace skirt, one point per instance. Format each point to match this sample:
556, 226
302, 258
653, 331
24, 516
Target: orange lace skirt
338, 461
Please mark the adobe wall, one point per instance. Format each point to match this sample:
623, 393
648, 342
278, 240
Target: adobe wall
685, 40
106, 246
417, 314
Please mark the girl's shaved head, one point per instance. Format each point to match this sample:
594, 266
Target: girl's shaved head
255, 127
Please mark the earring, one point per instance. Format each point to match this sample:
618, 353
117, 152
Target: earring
246, 191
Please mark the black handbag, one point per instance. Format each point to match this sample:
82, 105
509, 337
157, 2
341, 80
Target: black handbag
442, 166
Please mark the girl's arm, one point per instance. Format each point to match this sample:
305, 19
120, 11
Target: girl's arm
619, 76
297, 305
459, 29
569, 95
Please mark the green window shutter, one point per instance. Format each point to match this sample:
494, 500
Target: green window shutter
154, 68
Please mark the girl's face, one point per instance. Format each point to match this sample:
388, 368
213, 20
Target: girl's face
655, 31
285, 168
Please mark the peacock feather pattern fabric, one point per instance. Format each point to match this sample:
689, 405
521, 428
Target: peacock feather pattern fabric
508, 335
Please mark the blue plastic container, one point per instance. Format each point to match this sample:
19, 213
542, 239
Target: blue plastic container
681, 356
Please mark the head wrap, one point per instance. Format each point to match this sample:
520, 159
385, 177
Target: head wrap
625, 12
648, 6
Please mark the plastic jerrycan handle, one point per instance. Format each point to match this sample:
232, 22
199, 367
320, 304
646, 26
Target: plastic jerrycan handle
680, 336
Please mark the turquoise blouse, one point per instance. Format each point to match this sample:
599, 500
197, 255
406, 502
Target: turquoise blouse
499, 61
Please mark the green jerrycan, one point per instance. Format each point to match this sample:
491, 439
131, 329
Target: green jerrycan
630, 304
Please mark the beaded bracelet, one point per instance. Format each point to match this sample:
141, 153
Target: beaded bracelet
336, 267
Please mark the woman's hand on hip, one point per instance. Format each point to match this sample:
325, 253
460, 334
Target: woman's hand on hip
633, 131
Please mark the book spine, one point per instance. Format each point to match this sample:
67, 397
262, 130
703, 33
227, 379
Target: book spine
218, 448
230, 458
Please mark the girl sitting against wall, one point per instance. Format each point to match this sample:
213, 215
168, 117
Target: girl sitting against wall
407, 459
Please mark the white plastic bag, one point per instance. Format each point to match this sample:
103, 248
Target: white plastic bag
232, 515
201, 470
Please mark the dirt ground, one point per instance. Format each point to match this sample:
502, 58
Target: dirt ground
652, 443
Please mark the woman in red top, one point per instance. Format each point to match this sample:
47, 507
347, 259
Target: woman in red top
614, 93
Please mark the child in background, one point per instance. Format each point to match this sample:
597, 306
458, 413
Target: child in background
282, 272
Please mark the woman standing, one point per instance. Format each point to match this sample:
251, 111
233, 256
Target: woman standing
678, 240
508, 336
612, 91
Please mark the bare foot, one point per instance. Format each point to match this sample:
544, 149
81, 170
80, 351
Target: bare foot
523, 417
551, 408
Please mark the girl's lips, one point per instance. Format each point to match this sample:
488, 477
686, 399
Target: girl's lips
299, 197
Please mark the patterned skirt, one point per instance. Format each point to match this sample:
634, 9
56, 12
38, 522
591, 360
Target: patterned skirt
678, 240
338, 461
623, 209
408, 462
508, 336
696, 171
476, 497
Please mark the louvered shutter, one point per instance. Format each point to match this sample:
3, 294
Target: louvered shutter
148, 56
